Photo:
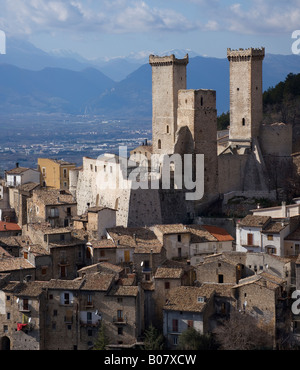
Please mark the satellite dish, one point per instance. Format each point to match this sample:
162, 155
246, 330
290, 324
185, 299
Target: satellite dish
17, 300
29, 320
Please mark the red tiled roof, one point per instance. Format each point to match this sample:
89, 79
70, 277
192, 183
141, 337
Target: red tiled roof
9, 226
219, 233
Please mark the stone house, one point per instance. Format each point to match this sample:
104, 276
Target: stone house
218, 268
57, 207
262, 234
13, 244
9, 229
134, 246
186, 307
99, 219
79, 307
68, 252
22, 305
19, 268
264, 296
18, 200
21, 175
192, 241
103, 250
169, 275
54, 173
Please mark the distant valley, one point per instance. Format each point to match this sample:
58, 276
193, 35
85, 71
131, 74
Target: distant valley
33, 81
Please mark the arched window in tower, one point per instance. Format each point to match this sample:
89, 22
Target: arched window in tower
159, 144
243, 121
168, 129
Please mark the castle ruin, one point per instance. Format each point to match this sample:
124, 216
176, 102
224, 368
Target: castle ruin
253, 161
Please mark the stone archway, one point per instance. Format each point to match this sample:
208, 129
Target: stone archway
4, 344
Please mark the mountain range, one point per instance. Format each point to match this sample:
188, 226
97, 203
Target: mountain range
33, 81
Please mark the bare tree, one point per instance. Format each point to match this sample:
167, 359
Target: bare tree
241, 332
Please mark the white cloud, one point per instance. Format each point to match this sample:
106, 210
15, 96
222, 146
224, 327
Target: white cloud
114, 16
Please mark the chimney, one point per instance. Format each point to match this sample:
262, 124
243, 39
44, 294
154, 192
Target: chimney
283, 208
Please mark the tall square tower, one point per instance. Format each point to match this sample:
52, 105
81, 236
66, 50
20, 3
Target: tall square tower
168, 77
246, 104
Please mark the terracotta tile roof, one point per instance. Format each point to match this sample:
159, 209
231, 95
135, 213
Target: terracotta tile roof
274, 227
185, 298
15, 263
219, 233
54, 197
9, 226
98, 281
254, 221
103, 243
172, 228
4, 253
168, 273
139, 238
18, 170
262, 279
124, 290
295, 235
64, 284
30, 289
200, 235
28, 186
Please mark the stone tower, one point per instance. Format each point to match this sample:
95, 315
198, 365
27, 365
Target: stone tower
197, 133
246, 104
168, 76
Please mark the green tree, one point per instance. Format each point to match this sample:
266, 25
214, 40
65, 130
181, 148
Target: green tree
223, 121
154, 340
191, 339
102, 340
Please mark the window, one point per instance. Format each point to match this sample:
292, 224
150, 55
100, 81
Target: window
270, 237
90, 333
167, 285
25, 255
168, 129
89, 317
44, 171
175, 325
95, 168
102, 253
91, 166
5, 328
190, 324
201, 101
120, 300
249, 239
44, 270
8, 315
159, 144
179, 238
25, 304
54, 312
200, 299
297, 249
120, 331
66, 298
120, 315
243, 121
69, 211
220, 278
65, 172
8, 297
89, 299
175, 340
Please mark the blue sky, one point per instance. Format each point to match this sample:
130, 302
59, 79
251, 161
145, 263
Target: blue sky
112, 28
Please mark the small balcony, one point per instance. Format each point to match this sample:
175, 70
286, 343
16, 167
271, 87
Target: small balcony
120, 320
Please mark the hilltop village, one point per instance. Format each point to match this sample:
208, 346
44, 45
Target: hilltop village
83, 248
